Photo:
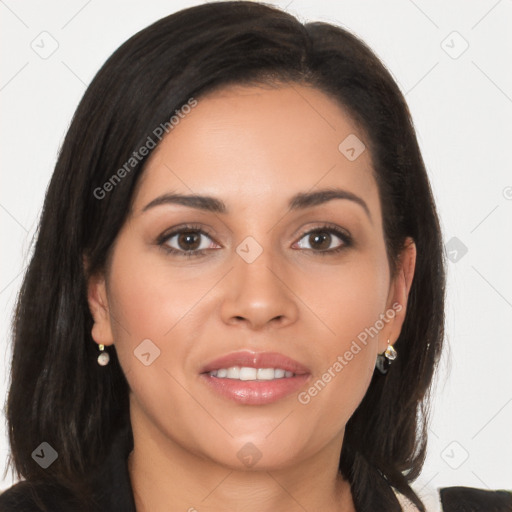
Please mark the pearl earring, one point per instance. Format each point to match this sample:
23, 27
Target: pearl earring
104, 357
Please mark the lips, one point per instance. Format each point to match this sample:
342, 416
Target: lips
251, 391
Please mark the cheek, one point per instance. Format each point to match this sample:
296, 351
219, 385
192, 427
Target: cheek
347, 299
145, 304
154, 323
156, 316
148, 298
349, 302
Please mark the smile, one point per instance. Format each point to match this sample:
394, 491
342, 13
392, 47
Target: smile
251, 378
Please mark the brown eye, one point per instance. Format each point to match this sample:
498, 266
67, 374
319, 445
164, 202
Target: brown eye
320, 240
189, 240
324, 240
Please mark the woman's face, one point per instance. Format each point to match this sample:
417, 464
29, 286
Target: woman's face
287, 278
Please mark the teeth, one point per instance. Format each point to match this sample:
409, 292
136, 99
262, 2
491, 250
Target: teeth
246, 373
266, 374
233, 373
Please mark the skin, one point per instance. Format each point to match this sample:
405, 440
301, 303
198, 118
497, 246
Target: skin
253, 148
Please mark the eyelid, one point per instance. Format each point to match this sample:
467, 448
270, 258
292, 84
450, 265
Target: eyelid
327, 226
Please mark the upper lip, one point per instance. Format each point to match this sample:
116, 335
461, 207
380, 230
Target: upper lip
256, 360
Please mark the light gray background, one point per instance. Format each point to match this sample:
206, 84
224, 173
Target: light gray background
461, 104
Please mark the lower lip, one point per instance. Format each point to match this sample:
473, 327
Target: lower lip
254, 392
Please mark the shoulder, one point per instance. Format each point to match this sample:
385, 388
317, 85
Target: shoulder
465, 499
17, 497
461, 499
27, 496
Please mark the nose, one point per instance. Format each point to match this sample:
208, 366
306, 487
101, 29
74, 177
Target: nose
259, 294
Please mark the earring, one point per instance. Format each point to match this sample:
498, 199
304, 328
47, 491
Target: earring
104, 357
384, 360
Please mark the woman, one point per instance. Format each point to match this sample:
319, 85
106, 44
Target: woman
236, 296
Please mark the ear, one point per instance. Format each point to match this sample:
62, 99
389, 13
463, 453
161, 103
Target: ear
98, 305
399, 293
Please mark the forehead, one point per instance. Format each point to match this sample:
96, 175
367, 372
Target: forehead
244, 143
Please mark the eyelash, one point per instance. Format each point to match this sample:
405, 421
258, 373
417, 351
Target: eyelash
326, 228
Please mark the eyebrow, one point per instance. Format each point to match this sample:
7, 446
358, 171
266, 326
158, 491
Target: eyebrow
299, 201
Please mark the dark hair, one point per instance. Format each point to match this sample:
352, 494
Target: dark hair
58, 393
